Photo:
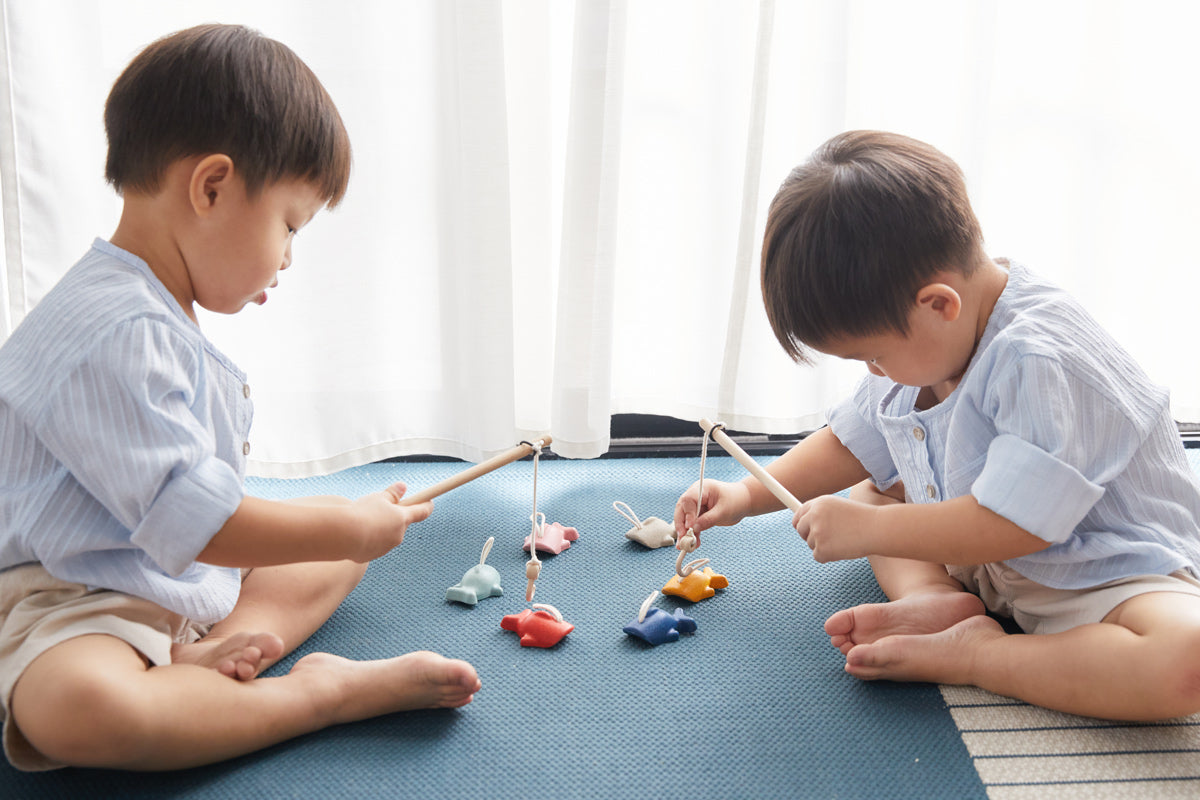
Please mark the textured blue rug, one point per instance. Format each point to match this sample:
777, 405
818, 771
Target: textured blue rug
753, 705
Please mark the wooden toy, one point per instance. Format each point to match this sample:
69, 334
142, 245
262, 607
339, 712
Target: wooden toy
554, 538
479, 582
540, 626
655, 626
696, 586
746, 460
651, 532
467, 475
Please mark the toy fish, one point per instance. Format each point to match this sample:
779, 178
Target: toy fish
656, 626
554, 538
651, 531
477, 583
540, 626
697, 586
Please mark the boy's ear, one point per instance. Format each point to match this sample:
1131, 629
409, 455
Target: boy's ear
943, 300
211, 177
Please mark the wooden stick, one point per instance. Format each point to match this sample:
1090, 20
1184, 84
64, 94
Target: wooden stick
765, 478
471, 473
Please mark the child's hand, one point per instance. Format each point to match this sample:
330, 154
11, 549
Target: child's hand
835, 528
722, 504
384, 521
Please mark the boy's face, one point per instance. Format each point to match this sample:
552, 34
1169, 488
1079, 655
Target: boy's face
250, 242
935, 351
912, 360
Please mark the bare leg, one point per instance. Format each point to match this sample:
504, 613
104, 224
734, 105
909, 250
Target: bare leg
95, 701
924, 598
1141, 663
279, 607
92, 701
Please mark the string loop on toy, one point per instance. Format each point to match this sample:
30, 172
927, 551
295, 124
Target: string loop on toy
686, 545
548, 609
627, 513
645, 609
487, 548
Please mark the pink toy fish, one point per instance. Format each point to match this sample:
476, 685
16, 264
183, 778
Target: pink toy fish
554, 539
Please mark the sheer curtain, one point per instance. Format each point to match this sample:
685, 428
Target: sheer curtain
557, 207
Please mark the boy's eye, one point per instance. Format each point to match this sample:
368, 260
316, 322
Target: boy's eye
291, 230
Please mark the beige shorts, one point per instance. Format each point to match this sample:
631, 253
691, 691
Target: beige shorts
39, 611
1041, 609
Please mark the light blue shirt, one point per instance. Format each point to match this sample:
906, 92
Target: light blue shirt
1053, 426
122, 439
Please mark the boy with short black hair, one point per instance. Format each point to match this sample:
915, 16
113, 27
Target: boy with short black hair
141, 592
1002, 443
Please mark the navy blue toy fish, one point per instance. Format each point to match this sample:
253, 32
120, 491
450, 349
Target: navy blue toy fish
656, 626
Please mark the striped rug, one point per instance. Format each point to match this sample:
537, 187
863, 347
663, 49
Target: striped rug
1026, 752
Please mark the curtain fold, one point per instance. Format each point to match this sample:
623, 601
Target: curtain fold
745, 272
582, 378
556, 208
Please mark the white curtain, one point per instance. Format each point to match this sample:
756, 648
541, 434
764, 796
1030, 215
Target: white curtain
557, 207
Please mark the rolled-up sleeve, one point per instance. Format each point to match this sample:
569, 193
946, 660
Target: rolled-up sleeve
192, 507
850, 423
1033, 489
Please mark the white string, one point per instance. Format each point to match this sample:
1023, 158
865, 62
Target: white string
534, 568
631, 516
487, 548
691, 540
645, 609
548, 609
536, 533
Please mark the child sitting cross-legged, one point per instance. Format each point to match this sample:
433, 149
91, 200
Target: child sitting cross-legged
141, 592
1005, 454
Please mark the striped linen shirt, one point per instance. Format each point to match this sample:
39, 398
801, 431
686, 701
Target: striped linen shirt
122, 439
1054, 427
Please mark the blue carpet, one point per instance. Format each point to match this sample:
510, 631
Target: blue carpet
753, 705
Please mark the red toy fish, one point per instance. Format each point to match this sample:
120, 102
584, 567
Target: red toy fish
540, 626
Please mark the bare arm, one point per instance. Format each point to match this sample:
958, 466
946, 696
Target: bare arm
958, 531
819, 464
265, 533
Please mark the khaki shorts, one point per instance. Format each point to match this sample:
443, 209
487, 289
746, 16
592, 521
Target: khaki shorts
39, 611
1041, 609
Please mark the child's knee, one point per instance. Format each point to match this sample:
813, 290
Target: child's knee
80, 717
1187, 670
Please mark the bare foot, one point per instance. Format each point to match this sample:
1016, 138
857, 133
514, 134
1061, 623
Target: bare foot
915, 614
240, 656
942, 657
362, 689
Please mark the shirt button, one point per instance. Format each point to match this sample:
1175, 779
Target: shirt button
919, 434
246, 451
931, 491
245, 390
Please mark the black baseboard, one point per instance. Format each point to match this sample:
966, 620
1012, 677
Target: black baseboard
651, 436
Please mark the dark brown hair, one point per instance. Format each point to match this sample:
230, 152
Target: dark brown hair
855, 232
224, 89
